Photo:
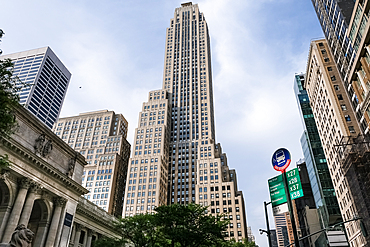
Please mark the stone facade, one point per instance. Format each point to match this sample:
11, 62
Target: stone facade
42, 189
100, 136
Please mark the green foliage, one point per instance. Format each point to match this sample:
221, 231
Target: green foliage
4, 161
189, 225
140, 230
8, 98
172, 226
245, 243
8, 102
108, 242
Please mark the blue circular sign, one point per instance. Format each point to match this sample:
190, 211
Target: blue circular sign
281, 159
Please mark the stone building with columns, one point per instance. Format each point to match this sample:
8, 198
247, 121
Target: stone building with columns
42, 189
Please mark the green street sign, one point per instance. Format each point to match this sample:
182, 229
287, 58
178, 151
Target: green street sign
294, 184
277, 191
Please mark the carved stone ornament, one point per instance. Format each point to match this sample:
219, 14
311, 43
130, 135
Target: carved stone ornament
90, 232
4, 175
21, 237
78, 227
43, 146
59, 201
35, 187
39, 143
47, 148
24, 183
71, 166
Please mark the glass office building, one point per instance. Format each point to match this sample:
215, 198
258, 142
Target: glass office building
317, 167
45, 80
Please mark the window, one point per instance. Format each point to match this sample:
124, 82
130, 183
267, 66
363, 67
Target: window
351, 129
326, 59
330, 69
333, 78
348, 118
344, 107
336, 87
340, 97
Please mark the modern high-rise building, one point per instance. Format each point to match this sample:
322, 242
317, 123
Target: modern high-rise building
318, 171
176, 158
100, 137
335, 120
284, 230
45, 80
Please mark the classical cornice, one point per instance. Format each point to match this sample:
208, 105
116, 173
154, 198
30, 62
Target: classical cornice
96, 214
42, 165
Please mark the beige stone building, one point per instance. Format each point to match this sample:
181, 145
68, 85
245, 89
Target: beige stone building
100, 137
176, 158
146, 186
335, 120
42, 189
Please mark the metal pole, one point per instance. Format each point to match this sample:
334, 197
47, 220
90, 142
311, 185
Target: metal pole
268, 224
290, 206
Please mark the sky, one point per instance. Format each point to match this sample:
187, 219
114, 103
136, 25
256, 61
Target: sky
115, 52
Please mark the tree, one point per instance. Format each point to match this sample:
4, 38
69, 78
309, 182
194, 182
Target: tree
8, 101
141, 230
173, 225
108, 242
245, 243
189, 225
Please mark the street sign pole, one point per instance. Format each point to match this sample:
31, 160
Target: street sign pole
290, 206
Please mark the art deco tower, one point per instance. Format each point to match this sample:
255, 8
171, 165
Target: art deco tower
175, 157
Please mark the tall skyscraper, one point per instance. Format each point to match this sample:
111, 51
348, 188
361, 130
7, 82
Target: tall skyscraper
316, 163
46, 79
335, 120
176, 158
100, 137
334, 17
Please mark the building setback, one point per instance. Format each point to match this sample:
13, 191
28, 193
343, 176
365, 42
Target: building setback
100, 137
335, 120
179, 119
46, 80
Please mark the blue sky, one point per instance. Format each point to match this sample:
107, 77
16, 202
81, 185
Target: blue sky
115, 52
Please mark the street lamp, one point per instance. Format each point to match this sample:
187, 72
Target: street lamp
268, 232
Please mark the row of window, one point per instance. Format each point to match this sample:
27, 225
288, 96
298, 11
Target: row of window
138, 208
101, 183
142, 201
133, 181
143, 187
154, 106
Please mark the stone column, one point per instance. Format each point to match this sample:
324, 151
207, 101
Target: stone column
77, 235
89, 237
24, 184
27, 209
58, 205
